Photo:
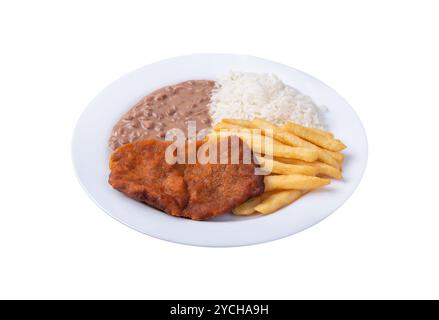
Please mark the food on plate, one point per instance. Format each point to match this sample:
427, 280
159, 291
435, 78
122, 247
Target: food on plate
278, 200
242, 96
286, 168
248, 207
321, 132
287, 138
337, 156
166, 108
246, 96
259, 145
278, 129
287, 178
293, 181
196, 191
322, 168
317, 138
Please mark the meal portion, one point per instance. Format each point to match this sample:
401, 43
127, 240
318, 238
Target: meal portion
300, 159
196, 191
282, 130
164, 109
247, 96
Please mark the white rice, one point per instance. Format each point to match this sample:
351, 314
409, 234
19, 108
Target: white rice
251, 95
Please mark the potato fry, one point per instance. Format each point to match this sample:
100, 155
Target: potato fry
304, 154
326, 157
328, 171
284, 168
336, 155
293, 181
259, 145
289, 139
278, 200
322, 132
228, 126
318, 139
248, 207
294, 173
249, 125
322, 168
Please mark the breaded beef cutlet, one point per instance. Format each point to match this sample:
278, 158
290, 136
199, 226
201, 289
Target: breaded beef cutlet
196, 191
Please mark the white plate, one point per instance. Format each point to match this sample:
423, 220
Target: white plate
90, 154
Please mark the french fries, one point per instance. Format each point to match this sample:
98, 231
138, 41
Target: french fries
322, 132
230, 126
322, 168
294, 181
277, 201
337, 156
285, 168
318, 139
285, 154
259, 145
248, 207
285, 137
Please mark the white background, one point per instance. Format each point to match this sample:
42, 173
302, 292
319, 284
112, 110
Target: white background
382, 56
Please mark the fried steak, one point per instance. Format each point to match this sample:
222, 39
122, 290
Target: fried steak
196, 191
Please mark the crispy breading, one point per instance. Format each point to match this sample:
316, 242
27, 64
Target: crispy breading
196, 191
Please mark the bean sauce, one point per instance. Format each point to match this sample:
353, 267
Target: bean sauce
165, 109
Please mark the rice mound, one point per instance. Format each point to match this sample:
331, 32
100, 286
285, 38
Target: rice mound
247, 96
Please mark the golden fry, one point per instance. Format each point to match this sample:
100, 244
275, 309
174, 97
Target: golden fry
294, 181
278, 200
248, 207
322, 132
326, 157
295, 150
284, 168
227, 126
323, 168
336, 155
259, 144
288, 138
316, 138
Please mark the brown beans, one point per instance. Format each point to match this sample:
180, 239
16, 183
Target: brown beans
169, 107
178, 89
135, 123
157, 115
160, 97
147, 124
133, 135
